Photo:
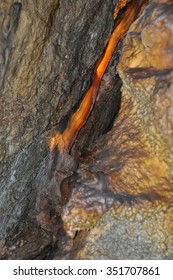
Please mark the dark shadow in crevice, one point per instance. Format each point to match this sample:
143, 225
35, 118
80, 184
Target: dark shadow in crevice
106, 108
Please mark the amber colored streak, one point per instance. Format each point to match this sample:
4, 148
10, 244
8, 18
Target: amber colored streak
65, 141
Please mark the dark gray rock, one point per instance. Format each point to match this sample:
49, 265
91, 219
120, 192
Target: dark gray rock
52, 49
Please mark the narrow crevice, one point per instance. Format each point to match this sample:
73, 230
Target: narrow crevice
105, 109
44, 210
100, 121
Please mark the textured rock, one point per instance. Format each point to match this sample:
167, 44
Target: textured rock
122, 190
48, 51
135, 156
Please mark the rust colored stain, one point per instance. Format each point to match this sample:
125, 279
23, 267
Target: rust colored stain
65, 141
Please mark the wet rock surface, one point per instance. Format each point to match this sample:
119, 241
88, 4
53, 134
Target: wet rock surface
114, 198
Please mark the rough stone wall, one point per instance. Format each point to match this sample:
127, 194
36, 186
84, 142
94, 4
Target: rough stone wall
130, 168
122, 190
48, 50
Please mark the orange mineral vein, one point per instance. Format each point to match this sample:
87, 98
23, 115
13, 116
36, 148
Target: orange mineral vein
65, 141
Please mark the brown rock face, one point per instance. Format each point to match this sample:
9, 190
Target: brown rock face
116, 192
135, 157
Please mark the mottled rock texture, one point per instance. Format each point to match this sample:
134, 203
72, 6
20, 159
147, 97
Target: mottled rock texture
135, 158
120, 196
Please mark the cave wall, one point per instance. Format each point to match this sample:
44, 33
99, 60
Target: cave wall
121, 195
121, 192
48, 51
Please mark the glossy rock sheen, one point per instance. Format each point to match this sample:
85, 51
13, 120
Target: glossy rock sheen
136, 155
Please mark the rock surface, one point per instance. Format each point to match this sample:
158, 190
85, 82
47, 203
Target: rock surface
135, 157
48, 51
121, 193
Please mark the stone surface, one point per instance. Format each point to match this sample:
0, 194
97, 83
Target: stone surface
48, 51
117, 196
135, 156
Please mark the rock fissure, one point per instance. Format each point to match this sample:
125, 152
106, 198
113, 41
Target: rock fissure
115, 187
